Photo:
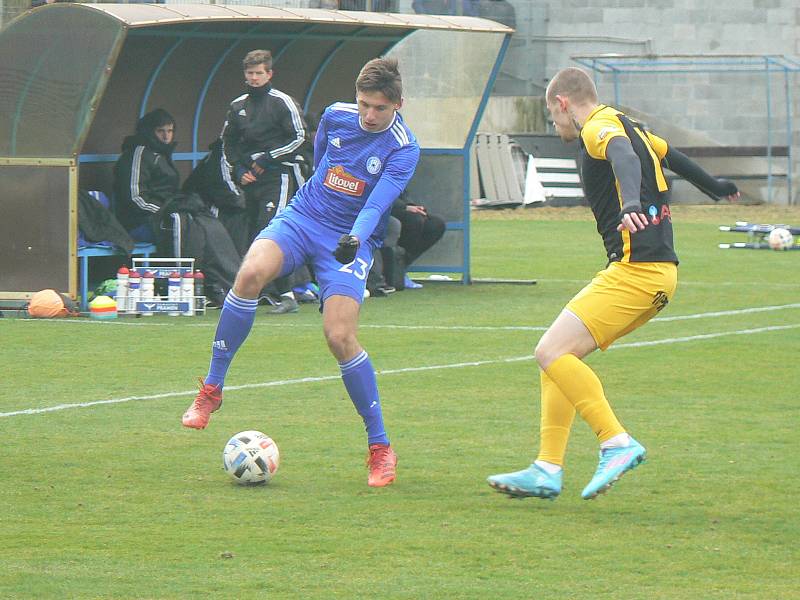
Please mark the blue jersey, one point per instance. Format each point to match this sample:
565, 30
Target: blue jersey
350, 163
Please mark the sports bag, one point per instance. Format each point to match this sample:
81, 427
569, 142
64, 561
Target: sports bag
48, 304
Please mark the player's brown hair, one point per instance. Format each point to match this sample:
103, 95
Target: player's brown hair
573, 83
258, 57
381, 75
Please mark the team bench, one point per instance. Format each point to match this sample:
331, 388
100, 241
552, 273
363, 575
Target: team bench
90, 251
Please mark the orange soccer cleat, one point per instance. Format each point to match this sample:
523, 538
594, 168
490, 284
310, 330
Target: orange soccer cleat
381, 462
208, 399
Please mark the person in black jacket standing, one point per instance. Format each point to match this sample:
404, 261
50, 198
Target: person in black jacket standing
263, 133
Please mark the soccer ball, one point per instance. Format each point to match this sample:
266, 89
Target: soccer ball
251, 458
780, 239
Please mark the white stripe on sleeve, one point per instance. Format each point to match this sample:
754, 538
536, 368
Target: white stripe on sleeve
136, 170
297, 121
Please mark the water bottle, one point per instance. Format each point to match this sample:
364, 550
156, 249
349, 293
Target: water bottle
134, 289
187, 292
199, 290
148, 291
174, 291
122, 289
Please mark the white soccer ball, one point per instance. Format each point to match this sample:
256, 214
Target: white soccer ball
780, 239
251, 458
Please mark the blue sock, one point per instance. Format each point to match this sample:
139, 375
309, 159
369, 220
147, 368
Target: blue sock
234, 324
359, 379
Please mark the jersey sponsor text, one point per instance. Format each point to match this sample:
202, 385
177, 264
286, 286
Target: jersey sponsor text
341, 181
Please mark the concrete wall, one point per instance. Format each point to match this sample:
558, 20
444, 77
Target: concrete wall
729, 108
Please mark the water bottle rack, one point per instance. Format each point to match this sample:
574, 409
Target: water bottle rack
162, 268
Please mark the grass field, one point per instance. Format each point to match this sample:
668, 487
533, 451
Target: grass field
116, 500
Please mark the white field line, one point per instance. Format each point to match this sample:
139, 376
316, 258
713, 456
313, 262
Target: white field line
728, 313
682, 282
704, 315
477, 363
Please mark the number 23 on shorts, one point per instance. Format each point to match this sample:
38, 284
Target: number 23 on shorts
358, 267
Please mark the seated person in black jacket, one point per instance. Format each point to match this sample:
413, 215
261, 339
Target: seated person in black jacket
418, 232
211, 180
151, 206
388, 266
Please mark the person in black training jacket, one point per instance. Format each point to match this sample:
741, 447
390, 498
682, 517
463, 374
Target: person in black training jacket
263, 133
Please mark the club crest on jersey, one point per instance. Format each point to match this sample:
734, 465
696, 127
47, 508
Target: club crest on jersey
374, 165
341, 181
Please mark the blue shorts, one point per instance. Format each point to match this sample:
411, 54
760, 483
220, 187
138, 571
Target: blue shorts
305, 241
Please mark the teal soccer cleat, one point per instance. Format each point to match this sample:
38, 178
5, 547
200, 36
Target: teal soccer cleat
614, 462
531, 482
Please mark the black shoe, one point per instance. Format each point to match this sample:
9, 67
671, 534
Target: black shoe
383, 290
287, 305
307, 297
215, 301
268, 300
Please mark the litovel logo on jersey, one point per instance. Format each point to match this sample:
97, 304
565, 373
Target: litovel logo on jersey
341, 181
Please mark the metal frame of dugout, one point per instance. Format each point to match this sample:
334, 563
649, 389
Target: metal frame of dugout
76, 77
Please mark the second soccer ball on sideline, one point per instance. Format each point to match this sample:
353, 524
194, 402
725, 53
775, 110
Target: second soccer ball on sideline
251, 458
780, 239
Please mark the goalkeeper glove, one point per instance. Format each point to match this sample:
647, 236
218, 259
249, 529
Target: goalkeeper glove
346, 249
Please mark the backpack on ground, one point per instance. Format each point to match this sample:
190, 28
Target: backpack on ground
48, 304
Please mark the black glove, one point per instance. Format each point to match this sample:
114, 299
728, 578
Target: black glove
346, 249
630, 208
726, 188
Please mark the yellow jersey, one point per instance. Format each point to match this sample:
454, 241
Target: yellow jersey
601, 188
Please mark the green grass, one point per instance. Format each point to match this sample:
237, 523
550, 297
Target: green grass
118, 501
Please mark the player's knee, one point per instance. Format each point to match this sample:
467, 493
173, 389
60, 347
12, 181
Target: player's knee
249, 280
337, 339
544, 354
435, 226
341, 342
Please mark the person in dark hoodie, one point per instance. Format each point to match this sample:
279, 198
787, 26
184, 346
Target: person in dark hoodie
211, 180
151, 206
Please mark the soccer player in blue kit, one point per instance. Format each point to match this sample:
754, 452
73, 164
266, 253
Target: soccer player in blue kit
364, 156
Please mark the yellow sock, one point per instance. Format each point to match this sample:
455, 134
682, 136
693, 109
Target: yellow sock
557, 416
583, 389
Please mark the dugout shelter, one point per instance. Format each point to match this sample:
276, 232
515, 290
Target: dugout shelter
76, 77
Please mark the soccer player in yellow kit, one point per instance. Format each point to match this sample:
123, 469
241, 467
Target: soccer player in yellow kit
621, 168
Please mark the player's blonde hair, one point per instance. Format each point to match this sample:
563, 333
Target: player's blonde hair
573, 83
381, 75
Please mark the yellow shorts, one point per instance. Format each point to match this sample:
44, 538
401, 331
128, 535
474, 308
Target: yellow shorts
623, 297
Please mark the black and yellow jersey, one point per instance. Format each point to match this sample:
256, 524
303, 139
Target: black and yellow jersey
654, 243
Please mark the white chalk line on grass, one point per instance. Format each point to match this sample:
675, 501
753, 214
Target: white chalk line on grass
477, 363
705, 315
728, 313
682, 282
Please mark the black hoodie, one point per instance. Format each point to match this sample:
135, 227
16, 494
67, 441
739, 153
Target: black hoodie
145, 178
